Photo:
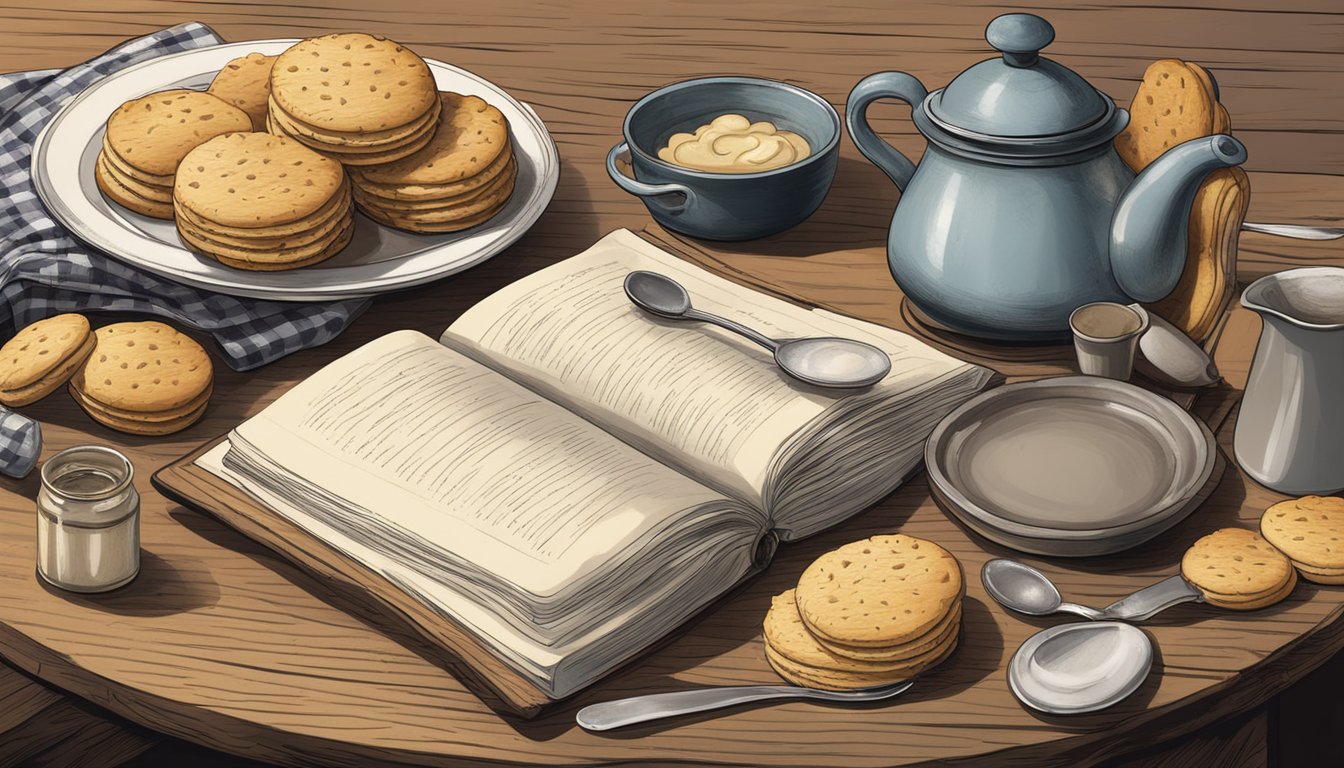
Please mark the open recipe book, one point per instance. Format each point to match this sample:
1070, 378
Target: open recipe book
564, 479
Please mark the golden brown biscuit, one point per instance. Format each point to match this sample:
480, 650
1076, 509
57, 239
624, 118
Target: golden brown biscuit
256, 180
245, 83
144, 367
471, 135
1171, 107
1244, 603
1309, 530
1234, 562
42, 357
153, 133
126, 198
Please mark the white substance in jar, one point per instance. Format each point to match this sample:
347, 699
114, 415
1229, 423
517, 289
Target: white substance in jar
88, 520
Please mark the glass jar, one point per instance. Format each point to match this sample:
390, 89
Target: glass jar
88, 520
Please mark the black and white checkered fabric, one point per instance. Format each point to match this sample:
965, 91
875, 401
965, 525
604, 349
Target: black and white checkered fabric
45, 271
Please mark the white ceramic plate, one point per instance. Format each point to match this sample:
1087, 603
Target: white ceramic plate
1071, 466
379, 259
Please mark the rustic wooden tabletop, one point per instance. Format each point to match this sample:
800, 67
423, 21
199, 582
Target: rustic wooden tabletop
221, 644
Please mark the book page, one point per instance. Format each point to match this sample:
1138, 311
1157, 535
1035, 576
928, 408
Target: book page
709, 401
448, 452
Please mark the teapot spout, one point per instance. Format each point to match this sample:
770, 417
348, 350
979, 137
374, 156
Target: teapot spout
1151, 222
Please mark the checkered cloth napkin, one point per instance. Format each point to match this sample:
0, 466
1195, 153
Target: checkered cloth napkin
44, 271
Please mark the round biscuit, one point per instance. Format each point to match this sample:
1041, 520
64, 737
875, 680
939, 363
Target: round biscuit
879, 592
343, 239
322, 230
40, 347
469, 137
171, 414
1235, 561
1243, 603
245, 83
300, 253
352, 82
153, 133
915, 647
127, 170
433, 192
1309, 530
420, 227
146, 428
256, 180
484, 202
390, 137
785, 632
141, 190
29, 393
145, 367
1172, 106
116, 192
330, 211
487, 192
848, 681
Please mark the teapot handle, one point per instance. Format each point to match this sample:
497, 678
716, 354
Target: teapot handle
883, 85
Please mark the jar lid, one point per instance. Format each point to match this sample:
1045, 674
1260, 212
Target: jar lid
1019, 95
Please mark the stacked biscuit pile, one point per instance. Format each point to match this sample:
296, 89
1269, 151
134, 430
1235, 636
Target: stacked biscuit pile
147, 138
460, 179
144, 378
262, 202
1178, 102
1238, 569
870, 613
356, 98
42, 357
1310, 531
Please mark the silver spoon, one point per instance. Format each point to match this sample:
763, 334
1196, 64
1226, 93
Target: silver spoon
1075, 668
656, 706
1296, 231
1019, 587
823, 361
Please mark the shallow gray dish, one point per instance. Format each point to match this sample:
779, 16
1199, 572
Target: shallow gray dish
727, 206
1071, 467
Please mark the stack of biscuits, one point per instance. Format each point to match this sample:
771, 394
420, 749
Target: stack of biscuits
262, 202
1177, 102
42, 357
144, 379
147, 138
1310, 532
1238, 569
460, 179
870, 613
356, 98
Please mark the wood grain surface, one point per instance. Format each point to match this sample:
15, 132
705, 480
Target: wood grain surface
220, 643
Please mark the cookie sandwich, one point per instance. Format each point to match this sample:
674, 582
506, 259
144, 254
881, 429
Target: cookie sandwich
147, 138
462, 178
1310, 532
356, 98
1238, 569
145, 379
262, 202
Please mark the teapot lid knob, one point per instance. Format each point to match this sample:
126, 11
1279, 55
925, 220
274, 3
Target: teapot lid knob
1019, 37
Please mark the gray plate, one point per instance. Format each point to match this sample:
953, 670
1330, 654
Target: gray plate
379, 259
1072, 466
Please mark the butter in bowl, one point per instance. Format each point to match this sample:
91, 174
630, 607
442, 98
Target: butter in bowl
729, 158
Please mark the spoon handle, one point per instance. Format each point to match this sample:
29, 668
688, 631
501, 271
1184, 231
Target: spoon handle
1296, 231
723, 322
1081, 610
1148, 601
656, 706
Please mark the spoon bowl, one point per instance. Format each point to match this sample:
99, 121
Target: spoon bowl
1019, 587
1075, 668
824, 361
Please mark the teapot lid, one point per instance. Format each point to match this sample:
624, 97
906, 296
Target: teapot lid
1019, 95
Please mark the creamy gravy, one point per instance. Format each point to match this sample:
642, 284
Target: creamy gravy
734, 144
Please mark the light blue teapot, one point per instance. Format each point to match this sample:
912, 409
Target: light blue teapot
1020, 210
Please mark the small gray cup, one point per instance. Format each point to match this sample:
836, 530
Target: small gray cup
1106, 336
727, 206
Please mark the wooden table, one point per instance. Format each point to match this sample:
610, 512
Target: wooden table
221, 644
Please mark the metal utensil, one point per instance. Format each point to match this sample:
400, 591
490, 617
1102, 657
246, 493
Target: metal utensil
1296, 231
656, 706
1019, 587
1172, 357
823, 361
1075, 668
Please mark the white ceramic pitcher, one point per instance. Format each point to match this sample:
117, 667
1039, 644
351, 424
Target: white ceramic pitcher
1290, 434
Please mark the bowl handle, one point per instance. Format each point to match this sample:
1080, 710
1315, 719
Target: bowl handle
650, 192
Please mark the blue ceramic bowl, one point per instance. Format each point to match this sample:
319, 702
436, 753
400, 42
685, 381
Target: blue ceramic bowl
727, 206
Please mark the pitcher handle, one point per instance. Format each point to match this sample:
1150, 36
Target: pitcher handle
883, 85
650, 192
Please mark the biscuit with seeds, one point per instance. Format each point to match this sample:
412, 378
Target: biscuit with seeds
1310, 531
144, 367
245, 83
42, 357
1233, 563
471, 135
153, 133
256, 180
879, 592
